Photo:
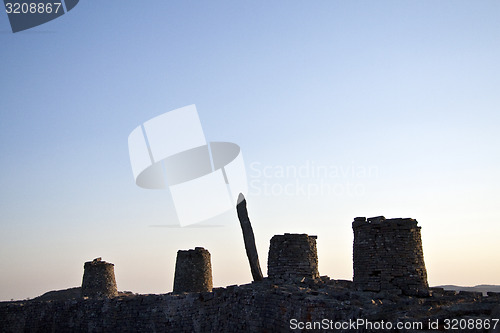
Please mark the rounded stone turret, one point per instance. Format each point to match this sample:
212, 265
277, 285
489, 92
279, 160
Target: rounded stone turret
388, 255
99, 279
193, 271
292, 257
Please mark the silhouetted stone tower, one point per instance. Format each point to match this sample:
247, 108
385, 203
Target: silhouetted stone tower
99, 279
193, 271
292, 257
387, 255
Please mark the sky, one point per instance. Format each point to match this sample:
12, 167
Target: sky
341, 109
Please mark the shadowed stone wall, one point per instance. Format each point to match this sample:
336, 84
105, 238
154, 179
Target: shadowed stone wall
99, 279
387, 255
267, 306
292, 256
193, 271
257, 307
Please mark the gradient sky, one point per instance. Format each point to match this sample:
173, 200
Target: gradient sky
398, 100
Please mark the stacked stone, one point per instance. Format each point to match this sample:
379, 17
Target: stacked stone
99, 279
292, 257
256, 307
193, 271
388, 255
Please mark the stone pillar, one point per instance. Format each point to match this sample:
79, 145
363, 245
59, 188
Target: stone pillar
248, 238
193, 271
388, 255
99, 279
292, 257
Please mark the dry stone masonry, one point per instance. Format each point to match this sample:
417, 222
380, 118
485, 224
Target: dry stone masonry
292, 257
389, 272
99, 279
388, 256
193, 271
257, 307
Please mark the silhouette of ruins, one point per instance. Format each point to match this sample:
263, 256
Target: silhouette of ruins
387, 256
388, 285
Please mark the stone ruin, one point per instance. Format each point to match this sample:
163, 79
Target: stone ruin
99, 279
193, 271
387, 255
292, 257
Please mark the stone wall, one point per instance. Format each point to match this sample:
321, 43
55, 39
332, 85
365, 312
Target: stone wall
257, 307
277, 302
99, 279
292, 257
387, 255
193, 271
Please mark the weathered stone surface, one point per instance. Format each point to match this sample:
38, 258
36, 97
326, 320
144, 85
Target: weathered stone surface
388, 255
248, 238
193, 271
256, 307
99, 279
292, 257
294, 291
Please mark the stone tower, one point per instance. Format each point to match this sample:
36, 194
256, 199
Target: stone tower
193, 271
387, 255
292, 257
99, 279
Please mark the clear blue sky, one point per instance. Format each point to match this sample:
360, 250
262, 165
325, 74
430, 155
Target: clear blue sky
400, 98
